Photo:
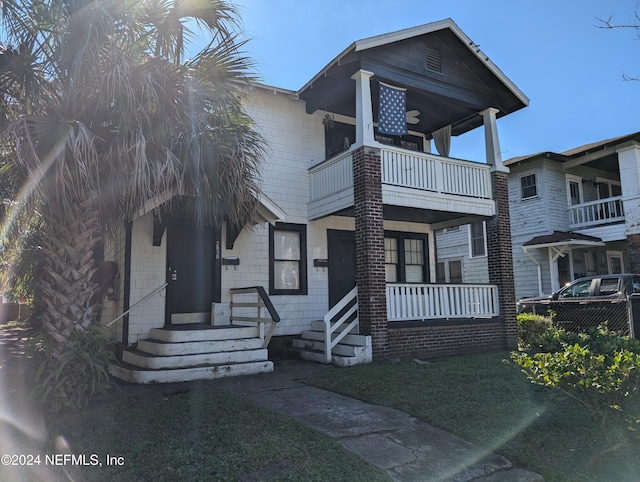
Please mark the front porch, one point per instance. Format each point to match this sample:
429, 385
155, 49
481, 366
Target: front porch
422, 319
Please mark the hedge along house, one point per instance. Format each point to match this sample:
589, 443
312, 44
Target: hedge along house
344, 266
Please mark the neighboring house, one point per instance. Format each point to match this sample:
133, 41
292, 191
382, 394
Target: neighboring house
461, 253
347, 197
573, 214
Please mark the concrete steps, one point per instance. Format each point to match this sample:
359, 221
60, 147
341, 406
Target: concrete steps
193, 352
353, 349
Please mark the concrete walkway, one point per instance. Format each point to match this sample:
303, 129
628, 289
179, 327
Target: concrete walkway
406, 448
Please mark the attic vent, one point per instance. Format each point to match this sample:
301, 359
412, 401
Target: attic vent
434, 63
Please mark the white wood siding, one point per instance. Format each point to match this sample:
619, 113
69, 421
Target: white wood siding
454, 245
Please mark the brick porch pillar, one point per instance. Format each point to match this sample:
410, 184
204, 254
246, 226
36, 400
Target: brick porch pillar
633, 246
499, 249
369, 234
500, 258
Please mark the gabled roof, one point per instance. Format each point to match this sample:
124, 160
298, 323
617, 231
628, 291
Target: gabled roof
399, 35
468, 83
576, 151
594, 145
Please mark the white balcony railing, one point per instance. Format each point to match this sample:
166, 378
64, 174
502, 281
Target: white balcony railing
331, 177
429, 172
411, 169
596, 213
445, 301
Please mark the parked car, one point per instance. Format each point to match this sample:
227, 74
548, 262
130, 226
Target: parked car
588, 302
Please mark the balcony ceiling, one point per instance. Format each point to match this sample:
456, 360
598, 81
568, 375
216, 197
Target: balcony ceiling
415, 215
467, 83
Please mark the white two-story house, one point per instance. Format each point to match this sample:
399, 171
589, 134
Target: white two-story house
574, 213
355, 182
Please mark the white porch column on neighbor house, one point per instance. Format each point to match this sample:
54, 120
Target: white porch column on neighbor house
553, 270
491, 140
629, 163
364, 109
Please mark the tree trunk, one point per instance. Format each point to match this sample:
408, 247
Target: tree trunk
67, 284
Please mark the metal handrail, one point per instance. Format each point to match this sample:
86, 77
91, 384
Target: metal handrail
137, 304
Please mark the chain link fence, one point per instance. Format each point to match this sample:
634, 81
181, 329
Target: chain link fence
582, 315
634, 315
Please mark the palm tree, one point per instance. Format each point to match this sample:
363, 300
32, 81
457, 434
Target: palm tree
102, 111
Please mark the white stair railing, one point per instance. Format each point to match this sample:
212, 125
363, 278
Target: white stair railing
332, 325
263, 302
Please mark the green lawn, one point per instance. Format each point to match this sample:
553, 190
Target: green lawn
206, 434
491, 403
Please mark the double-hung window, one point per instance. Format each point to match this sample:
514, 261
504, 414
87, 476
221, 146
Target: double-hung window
528, 186
288, 259
477, 239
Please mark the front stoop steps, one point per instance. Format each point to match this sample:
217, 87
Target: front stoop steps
352, 349
193, 352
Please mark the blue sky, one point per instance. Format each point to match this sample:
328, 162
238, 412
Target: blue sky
552, 50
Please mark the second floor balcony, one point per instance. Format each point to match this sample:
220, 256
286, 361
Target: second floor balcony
596, 213
445, 187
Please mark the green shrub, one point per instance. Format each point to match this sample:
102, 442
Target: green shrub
530, 328
600, 369
81, 372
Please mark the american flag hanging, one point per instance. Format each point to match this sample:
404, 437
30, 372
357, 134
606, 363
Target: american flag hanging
392, 111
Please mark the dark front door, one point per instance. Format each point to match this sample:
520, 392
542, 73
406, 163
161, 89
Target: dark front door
193, 257
342, 264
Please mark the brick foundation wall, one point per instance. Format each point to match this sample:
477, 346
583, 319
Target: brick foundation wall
633, 244
500, 258
437, 341
369, 234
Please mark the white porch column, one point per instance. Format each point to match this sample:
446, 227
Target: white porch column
492, 143
629, 163
433, 262
364, 109
553, 270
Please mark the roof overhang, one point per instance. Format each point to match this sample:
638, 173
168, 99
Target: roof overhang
269, 211
441, 101
563, 241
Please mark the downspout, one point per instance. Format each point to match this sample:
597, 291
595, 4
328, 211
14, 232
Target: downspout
535, 261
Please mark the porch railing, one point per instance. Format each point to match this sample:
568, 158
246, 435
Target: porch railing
596, 213
336, 318
405, 168
261, 303
429, 172
433, 301
331, 176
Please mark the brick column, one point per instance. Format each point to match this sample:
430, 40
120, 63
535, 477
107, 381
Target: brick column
633, 245
370, 273
500, 257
